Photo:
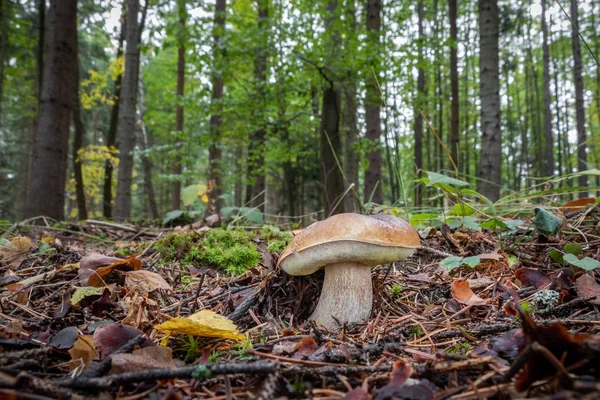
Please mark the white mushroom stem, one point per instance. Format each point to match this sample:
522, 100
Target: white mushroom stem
347, 295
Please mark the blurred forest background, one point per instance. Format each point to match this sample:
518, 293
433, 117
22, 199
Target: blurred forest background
152, 109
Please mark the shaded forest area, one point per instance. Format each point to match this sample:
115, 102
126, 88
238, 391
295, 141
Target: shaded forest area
147, 109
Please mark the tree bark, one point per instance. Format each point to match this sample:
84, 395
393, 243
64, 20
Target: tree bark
329, 131
255, 193
3, 44
549, 156
46, 186
349, 117
78, 145
145, 144
490, 162
111, 139
579, 104
127, 127
216, 120
418, 124
177, 168
373, 185
454, 105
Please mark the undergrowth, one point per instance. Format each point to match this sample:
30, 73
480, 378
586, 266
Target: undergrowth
231, 250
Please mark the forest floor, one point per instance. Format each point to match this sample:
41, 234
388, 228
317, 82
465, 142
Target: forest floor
86, 308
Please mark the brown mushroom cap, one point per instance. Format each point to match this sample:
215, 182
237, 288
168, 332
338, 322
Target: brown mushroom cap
370, 240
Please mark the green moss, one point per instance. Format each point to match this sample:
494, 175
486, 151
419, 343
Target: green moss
233, 251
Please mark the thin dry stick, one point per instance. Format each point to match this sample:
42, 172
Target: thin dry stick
440, 140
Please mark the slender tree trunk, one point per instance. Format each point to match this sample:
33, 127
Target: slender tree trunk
46, 186
143, 139
549, 156
127, 124
3, 44
216, 120
78, 145
177, 169
418, 124
490, 162
579, 104
329, 132
256, 191
111, 140
350, 119
373, 184
454, 106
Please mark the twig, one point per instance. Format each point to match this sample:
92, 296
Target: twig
198, 372
104, 366
244, 306
195, 303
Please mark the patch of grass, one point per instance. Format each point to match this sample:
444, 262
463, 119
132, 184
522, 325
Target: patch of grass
460, 348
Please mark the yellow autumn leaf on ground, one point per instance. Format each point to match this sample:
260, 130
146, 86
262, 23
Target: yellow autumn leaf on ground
85, 291
204, 323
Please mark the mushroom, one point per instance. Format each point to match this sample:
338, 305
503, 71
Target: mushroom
347, 246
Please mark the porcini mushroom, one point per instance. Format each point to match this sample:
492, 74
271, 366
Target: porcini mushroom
347, 246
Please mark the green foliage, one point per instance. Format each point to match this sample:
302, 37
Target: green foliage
396, 289
586, 263
415, 331
451, 263
546, 223
573, 248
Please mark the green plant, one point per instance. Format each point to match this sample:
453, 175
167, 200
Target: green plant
214, 356
396, 289
415, 330
192, 347
460, 348
239, 350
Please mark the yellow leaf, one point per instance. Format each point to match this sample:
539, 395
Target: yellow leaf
204, 323
205, 199
85, 291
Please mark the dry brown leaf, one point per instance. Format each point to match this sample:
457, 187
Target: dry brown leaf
83, 351
145, 281
129, 264
586, 286
90, 263
461, 292
109, 338
152, 357
16, 253
576, 205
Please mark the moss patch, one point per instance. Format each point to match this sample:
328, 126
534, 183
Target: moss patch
231, 250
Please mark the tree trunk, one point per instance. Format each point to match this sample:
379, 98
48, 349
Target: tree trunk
490, 162
350, 119
78, 145
373, 185
127, 126
454, 109
216, 120
176, 189
3, 40
549, 156
46, 186
418, 124
145, 144
579, 104
255, 196
111, 140
329, 131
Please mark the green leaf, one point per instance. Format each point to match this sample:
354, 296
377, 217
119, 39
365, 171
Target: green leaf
557, 256
462, 209
85, 291
585, 263
471, 223
573, 248
546, 223
451, 263
435, 178
513, 261
189, 194
172, 216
